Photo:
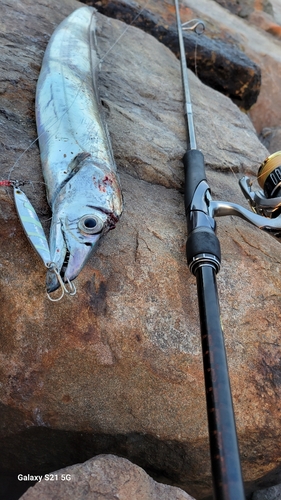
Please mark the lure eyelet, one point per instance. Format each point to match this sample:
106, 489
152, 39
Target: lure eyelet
90, 224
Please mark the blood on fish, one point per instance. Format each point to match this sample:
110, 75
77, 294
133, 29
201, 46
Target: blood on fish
106, 181
113, 221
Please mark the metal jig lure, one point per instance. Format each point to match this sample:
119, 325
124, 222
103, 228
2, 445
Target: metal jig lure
35, 234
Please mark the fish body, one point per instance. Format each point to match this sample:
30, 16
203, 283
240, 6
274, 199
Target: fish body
83, 188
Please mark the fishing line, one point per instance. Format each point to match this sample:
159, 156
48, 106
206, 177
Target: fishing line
125, 31
209, 110
58, 119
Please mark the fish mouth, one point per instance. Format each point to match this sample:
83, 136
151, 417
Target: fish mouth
71, 254
79, 253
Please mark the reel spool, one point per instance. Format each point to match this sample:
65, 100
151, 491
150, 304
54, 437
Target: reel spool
266, 202
269, 175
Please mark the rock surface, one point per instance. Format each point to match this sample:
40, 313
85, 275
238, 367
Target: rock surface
117, 368
273, 493
261, 47
271, 138
221, 64
225, 29
103, 478
265, 22
245, 8
276, 4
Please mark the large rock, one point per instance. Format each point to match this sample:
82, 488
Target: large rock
276, 4
221, 64
273, 493
102, 478
245, 8
265, 22
233, 42
271, 138
117, 368
261, 47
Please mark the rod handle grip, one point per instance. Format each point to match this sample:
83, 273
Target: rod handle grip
202, 243
194, 170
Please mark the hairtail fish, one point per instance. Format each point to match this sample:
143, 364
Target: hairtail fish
83, 188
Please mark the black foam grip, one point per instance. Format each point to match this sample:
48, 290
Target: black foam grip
202, 240
194, 169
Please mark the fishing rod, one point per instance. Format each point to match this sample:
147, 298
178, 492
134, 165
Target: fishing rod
203, 258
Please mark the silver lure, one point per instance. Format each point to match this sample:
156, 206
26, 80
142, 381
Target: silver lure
32, 225
83, 188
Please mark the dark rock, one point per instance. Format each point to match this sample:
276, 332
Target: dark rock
273, 493
221, 65
218, 64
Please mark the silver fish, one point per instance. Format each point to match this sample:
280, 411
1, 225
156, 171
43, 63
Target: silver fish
83, 188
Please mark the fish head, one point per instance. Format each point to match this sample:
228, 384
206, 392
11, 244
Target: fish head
75, 232
87, 206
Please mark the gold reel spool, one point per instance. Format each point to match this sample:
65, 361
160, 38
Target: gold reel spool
268, 166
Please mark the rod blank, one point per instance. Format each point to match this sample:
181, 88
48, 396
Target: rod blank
187, 99
225, 460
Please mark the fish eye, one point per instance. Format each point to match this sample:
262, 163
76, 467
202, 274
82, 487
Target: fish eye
90, 224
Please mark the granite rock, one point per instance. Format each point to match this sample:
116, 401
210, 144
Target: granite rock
104, 477
265, 22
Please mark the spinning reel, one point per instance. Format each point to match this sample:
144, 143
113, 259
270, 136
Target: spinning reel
265, 203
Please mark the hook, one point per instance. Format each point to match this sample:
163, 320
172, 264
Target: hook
71, 290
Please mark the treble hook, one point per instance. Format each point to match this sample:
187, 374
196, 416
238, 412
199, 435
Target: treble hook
70, 291
196, 25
